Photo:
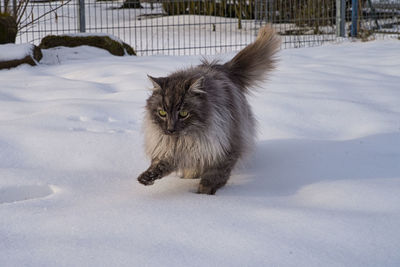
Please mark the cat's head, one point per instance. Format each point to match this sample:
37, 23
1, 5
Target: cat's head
178, 104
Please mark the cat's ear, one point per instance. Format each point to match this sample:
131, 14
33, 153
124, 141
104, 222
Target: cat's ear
197, 86
155, 82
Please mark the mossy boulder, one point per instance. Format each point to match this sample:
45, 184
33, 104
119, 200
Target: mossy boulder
100, 41
8, 29
31, 56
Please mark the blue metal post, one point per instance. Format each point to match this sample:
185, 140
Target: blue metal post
354, 18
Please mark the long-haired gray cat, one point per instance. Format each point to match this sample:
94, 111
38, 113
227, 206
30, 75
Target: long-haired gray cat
198, 121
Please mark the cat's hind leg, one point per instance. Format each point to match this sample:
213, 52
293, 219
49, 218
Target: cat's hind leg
216, 177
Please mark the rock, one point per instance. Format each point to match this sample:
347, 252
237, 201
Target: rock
100, 41
8, 29
131, 4
129, 50
33, 55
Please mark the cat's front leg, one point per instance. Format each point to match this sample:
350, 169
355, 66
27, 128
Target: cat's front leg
157, 170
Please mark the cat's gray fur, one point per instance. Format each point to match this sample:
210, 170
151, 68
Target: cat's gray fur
220, 126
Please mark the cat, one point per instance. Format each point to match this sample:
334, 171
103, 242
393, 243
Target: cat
198, 121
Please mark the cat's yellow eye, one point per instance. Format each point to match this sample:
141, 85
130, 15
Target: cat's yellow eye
162, 113
183, 113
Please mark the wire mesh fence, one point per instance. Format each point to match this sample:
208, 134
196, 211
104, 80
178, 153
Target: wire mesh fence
179, 27
379, 18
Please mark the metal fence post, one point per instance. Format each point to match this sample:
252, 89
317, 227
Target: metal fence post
354, 18
340, 18
82, 18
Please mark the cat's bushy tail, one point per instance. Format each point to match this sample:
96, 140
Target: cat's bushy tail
251, 64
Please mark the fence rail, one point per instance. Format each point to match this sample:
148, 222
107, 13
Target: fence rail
178, 27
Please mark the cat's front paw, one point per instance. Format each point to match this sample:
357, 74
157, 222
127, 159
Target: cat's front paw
147, 178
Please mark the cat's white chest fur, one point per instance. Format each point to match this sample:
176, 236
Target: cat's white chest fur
191, 151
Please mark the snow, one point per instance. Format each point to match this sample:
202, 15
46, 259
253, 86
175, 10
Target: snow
321, 189
15, 51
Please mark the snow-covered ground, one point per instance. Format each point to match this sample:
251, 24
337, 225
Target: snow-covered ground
15, 52
321, 189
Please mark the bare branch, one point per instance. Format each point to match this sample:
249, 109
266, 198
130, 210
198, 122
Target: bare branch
43, 15
21, 11
6, 6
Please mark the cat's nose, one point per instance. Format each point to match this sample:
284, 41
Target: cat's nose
170, 131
